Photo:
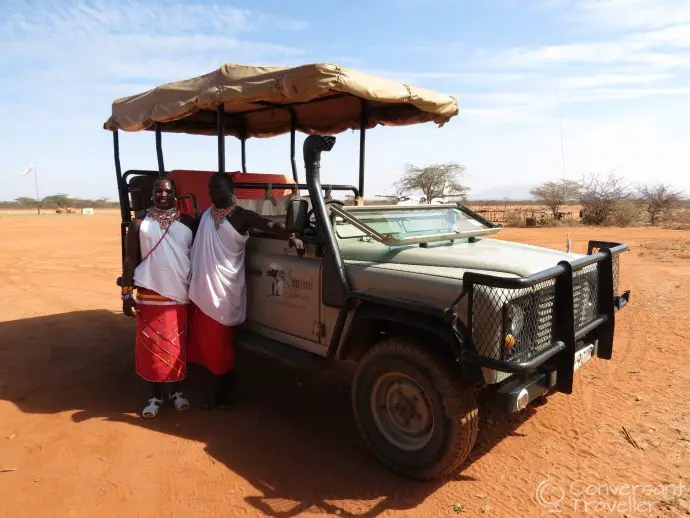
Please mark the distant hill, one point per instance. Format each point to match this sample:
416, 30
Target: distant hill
502, 192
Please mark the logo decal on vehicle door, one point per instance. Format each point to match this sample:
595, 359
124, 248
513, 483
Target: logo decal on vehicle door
297, 289
277, 274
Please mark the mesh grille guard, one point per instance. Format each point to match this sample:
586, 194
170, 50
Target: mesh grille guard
545, 314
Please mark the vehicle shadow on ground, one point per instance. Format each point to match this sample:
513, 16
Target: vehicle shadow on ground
291, 435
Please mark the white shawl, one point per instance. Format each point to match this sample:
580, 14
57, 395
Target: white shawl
218, 277
166, 271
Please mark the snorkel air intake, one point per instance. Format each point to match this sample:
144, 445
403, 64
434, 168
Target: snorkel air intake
313, 146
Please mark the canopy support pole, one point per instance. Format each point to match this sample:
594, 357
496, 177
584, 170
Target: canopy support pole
243, 141
362, 151
159, 150
122, 191
121, 188
293, 130
221, 138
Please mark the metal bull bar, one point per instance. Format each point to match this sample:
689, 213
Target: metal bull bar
556, 307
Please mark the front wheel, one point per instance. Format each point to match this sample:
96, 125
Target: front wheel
413, 411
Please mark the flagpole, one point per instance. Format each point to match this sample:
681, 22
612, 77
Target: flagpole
38, 201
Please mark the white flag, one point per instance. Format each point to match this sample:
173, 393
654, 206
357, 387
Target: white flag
28, 169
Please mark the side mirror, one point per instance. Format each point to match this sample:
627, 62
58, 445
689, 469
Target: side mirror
296, 217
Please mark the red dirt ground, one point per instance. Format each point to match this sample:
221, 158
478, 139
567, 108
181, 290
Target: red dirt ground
69, 400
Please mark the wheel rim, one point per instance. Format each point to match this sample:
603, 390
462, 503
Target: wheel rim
402, 411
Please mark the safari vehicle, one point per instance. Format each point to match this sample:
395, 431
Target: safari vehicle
430, 307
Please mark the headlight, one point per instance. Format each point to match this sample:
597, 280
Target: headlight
514, 317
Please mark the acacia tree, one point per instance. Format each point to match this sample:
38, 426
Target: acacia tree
433, 181
60, 200
657, 199
556, 194
598, 197
24, 200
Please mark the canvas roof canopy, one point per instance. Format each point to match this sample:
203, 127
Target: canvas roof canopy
262, 101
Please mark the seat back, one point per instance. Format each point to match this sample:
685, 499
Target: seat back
195, 183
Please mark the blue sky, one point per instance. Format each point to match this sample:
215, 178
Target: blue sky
617, 72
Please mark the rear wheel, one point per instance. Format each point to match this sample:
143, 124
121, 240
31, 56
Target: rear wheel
413, 411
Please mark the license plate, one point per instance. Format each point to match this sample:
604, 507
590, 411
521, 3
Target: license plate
583, 356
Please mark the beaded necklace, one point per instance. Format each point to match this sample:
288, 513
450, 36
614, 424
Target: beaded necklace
219, 215
164, 217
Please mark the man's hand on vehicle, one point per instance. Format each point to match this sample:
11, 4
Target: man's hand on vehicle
296, 243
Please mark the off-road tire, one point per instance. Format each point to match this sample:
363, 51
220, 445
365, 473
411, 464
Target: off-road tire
453, 406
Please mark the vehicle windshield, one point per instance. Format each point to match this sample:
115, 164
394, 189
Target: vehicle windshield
408, 224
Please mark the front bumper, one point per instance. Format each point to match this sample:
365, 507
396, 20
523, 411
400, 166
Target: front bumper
553, 363
515, 394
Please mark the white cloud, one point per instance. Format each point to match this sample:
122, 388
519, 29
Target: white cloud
135, 17
611, 94
676, 35
459, 77
620, 50
86, 41
72, 60
599, 80
641, 49
625, 14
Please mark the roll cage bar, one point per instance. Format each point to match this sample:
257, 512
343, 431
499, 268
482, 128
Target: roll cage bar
223, 122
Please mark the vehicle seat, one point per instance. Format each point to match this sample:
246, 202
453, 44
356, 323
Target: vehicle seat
195, 182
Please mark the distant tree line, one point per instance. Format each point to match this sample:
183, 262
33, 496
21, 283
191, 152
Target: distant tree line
602, 198
57, 201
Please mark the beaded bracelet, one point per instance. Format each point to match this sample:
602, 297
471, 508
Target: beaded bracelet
127, 292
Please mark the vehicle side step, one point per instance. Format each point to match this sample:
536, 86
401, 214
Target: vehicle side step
267, 347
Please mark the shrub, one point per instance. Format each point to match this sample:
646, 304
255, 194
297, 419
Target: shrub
514, 219
625, 213
598, 198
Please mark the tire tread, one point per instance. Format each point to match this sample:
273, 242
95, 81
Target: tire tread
457, 398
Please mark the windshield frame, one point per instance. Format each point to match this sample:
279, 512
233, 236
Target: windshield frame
349, 214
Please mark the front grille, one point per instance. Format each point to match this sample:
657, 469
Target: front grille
615, 266
536, 307
585, 294
537, 332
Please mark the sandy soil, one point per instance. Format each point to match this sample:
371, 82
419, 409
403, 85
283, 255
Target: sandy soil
69, 400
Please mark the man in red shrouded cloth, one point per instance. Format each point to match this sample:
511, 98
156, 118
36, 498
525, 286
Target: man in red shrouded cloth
158, 265
217, 288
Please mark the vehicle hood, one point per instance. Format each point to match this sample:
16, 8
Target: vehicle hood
484, 255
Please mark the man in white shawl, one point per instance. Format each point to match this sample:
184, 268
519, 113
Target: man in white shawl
217, 288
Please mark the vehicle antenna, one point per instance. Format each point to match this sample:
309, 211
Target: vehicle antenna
560, 123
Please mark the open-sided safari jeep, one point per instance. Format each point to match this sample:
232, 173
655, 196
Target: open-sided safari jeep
430, 308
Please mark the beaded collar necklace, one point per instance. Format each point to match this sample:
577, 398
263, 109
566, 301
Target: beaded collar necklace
164, 217
219, 215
